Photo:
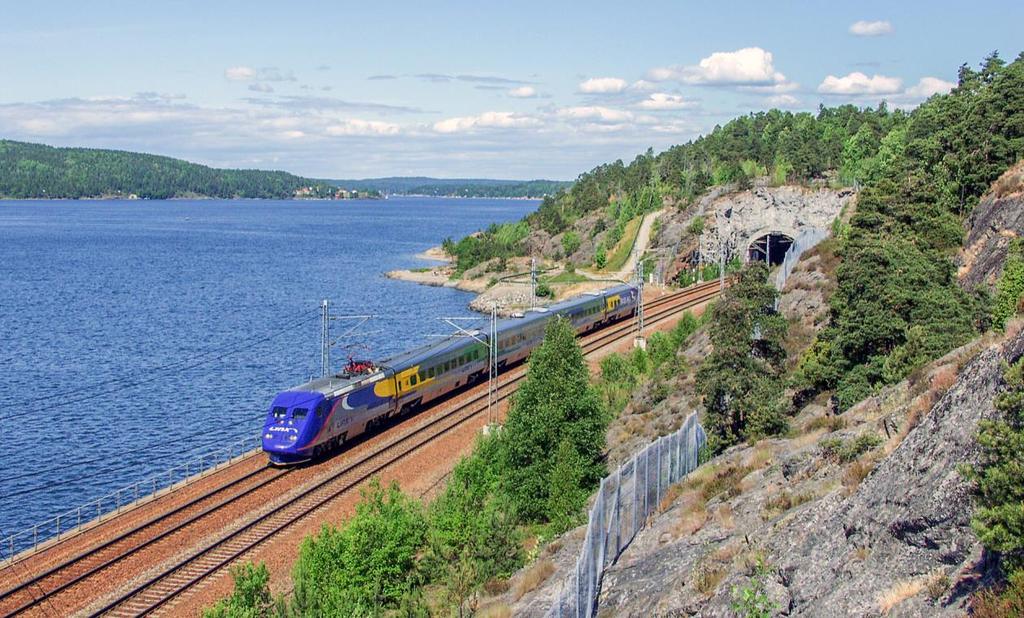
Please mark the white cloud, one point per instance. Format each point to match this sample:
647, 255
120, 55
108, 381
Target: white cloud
265, 74
523, 92
486, 120
240, 74
603, 85
929, 86
594, 112
643, 85
659, 101
748, 66
858, 83
783, 101
362, 127
870, 28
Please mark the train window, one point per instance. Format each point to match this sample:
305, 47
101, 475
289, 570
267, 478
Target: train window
279, 411
321, 409
430, 372
300, 413
413, 379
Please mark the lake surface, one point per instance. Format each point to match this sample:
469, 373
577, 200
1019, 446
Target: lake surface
136, 335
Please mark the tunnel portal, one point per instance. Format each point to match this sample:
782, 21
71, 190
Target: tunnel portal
770, 248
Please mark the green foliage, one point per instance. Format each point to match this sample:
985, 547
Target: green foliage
251, 597
741, 380
1010, 286
568, 490
38, 171
366, 563
1002, 602
842, 451
544, 290
601, 257
456, 187
752, 601
497, 241
570, 242
555, 403
898, 304
999, 491
696, 226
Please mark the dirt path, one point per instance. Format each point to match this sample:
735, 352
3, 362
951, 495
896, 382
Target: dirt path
643, 238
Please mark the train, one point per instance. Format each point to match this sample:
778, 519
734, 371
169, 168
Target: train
307, 421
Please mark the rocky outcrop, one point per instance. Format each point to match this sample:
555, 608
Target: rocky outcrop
897, 543
997, 219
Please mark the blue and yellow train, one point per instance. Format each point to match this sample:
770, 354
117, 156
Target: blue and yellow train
311, 419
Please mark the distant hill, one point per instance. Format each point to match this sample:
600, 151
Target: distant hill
463, 187
37, 171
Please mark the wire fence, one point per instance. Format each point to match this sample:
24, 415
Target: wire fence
624, 501
106, 506
805, 240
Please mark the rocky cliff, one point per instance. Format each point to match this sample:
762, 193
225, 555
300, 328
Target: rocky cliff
997, 219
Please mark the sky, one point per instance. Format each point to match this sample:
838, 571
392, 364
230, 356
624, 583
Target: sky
460, 89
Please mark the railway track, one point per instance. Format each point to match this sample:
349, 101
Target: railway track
160, 588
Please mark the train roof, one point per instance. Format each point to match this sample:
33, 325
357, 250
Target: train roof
341, 382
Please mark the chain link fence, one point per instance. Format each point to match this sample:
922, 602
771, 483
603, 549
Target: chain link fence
805, 240
104, 507
623, 503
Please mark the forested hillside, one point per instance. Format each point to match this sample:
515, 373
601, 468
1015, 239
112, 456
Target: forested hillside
29, 171
461, 187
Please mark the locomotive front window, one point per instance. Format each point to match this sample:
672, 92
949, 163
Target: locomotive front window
279, 412
300, 413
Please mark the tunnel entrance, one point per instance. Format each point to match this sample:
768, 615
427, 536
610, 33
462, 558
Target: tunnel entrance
769, 248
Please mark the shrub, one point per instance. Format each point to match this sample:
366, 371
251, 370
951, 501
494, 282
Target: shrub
251, 596
752, 601
601, 257
1006, 601
696, 226
999, 490
544, 290
570, 242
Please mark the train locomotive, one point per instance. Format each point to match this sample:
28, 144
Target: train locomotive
311, 419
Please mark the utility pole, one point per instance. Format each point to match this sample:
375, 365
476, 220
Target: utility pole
325, 333
700, 259
639, 340
491, 341
533, 282
325, 339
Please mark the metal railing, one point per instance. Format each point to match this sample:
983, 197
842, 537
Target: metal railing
805, 240
86, 515
624, 501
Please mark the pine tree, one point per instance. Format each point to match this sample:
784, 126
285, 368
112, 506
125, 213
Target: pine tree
556, 403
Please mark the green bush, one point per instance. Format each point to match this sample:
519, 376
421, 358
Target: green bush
1010, 286
601, 257
367, 562
570, 242
251, 597
999, 483
741, 380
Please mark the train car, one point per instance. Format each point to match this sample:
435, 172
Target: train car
318, 416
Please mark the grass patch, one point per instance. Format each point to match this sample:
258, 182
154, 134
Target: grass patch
533, 578
828, 423
620, 253
899, 593
565, 277
707, 575
845, 451
784, 501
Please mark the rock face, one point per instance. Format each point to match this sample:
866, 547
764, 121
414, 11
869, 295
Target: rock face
748, 215
997, 219
898, 543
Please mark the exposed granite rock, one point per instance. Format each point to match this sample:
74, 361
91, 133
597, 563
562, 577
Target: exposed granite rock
842, 548
997, 219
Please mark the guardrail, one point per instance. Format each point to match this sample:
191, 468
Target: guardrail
91, 513
620, 510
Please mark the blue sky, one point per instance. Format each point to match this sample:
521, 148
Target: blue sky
485, 89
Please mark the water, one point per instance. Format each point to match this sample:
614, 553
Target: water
137, 335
